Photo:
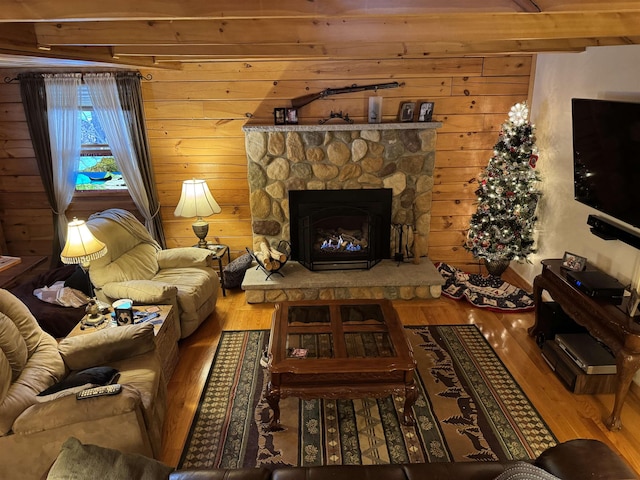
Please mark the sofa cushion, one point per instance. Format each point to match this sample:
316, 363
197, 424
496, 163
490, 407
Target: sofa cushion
5, 375
44, 368
107, 346
77, 460
66, 411
141, 291
20, 315
12, 345
195, 285
76, 381
184, 257
131, 251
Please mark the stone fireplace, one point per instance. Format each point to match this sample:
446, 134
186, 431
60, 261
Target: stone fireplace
340, 159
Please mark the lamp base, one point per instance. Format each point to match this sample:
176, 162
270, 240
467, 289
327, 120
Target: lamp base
201, 228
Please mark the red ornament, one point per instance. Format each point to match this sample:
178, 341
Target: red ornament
533, 159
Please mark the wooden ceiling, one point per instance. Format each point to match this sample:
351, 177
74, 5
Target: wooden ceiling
166, 33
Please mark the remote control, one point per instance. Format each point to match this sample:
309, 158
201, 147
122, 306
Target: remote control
112, 389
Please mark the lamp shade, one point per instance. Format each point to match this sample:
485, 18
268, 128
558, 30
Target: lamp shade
196, 200
81, 246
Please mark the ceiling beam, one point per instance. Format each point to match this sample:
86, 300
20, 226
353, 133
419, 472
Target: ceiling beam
464, 28
97, 55
361, 50
83, 10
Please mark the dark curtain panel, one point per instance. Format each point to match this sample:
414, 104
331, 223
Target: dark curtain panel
34, 100
131, 99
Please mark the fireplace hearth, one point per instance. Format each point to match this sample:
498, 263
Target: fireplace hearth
340, 229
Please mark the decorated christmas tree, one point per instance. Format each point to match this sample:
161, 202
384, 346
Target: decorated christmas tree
502, 229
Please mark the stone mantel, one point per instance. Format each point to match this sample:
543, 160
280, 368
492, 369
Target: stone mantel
338, 127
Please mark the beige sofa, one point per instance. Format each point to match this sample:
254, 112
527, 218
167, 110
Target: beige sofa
32, 431
135, 267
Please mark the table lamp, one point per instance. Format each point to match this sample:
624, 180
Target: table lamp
196, 201
80, 248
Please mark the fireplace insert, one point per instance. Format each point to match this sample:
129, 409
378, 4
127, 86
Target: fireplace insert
340, 229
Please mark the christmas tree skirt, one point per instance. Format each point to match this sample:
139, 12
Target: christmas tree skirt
488, 292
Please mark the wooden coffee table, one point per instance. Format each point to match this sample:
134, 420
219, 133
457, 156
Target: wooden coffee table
339, 349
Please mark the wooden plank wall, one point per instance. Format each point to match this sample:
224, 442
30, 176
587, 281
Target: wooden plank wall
195, 117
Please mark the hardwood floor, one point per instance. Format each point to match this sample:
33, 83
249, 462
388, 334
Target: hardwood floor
569, 416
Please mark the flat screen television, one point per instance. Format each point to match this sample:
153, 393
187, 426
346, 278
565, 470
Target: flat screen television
606, 157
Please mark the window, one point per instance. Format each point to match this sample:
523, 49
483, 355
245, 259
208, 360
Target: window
98, 169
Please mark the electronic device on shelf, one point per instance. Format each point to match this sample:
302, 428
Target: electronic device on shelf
597, 284
586, 352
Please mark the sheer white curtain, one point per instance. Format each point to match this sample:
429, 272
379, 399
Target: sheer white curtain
106, 106
63, 104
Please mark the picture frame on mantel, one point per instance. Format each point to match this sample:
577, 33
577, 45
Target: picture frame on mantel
292, 116
406, 111
279, 116
426, 111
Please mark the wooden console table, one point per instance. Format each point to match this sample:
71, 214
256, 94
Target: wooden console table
607, 322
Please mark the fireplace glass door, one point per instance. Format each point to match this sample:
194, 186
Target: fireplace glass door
340, 229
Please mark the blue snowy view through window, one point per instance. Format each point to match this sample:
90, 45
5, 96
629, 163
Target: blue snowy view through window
98, 169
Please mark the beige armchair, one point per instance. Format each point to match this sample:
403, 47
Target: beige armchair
33, 429
136, 267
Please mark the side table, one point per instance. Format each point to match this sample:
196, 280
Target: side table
607, 322
166, 331
219, 250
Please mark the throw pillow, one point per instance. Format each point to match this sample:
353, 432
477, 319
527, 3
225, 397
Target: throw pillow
525, 471
233, 274
78, 460
76, 381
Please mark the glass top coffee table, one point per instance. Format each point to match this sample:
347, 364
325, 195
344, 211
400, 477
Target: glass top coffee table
338, 349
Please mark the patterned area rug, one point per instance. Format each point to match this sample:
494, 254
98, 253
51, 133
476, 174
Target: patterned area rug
469, 409
487, 292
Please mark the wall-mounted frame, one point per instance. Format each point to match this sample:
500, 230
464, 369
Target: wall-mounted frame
574, 262
426, 111
406, 111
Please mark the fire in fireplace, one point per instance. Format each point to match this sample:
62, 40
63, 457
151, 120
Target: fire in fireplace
340, 229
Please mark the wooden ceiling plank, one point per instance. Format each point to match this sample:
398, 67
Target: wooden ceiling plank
432, 28
83, 10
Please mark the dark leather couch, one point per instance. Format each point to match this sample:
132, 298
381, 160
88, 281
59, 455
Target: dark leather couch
573, 460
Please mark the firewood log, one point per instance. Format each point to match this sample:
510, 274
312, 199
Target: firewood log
265, 249
266, 261
277, 255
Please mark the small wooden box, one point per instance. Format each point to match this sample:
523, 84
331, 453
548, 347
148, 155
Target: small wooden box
573, 377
